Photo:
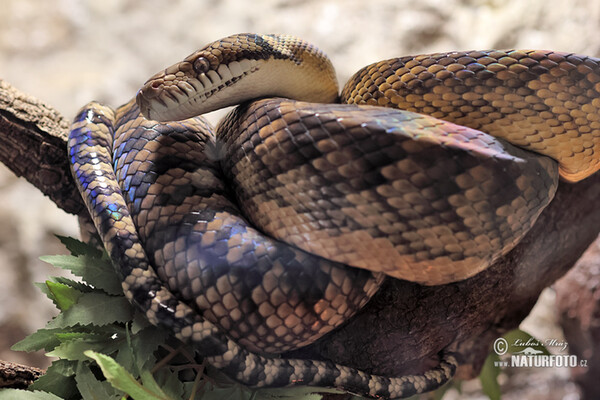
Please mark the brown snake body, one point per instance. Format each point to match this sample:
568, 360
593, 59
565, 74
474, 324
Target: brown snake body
376, 188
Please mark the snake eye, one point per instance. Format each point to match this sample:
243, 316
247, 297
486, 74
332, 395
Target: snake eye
201, 65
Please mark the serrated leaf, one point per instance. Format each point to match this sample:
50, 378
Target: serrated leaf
124, 356
89, 336
94, 309
53, 382
98, 272
489, 377
44, 289
146, 342
48, 339
42, 339
64, 296
18, 394
138, 351
91, 388
67, 262
82, 287
121, 379
139, 322
74, 349
63, 367
77, 247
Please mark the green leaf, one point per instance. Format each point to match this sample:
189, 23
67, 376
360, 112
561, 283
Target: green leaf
89, 336
42, 339
304, 396
82, 287
150, 383
519, 340
63, 367
75, 349
187, 391
139, 322
297, 392
64, 296
44, 289
91, 388
138, 351
489, 377
18, 394
54, 382
170, 383
121, 379
94, 309
48, 339
77, 247
146, 342
66, 262
212, 392
124, 356
98, 272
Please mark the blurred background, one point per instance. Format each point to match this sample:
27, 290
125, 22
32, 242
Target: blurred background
68, 52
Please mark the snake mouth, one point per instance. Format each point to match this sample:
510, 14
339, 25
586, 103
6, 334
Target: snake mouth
176, 95
236, 69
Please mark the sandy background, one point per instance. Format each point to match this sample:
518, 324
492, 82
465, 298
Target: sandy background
69, 52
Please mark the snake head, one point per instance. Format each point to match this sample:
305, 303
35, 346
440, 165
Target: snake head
236, 69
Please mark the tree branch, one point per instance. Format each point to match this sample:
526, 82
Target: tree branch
33, 144
578, 306
17, 376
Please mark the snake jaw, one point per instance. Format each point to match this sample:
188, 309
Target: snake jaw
160, 93
180, 100
236, 69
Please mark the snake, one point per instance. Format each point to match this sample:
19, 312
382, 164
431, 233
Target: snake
263, 235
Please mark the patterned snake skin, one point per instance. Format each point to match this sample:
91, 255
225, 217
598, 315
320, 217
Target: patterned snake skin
244, 242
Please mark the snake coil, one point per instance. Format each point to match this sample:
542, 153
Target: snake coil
264, 236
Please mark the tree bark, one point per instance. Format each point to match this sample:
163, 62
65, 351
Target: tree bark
405, 325
33, 144
17, 376
578, 307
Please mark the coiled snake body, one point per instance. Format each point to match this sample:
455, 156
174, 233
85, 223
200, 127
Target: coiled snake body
337, 194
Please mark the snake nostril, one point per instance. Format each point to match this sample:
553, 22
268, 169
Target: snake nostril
156, 85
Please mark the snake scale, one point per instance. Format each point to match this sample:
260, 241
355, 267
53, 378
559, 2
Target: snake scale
262, 237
